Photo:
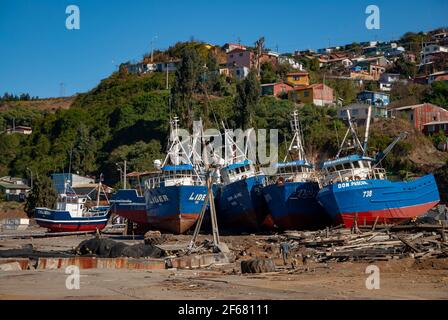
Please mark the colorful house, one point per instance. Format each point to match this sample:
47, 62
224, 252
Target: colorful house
318, 94
275, 89
298, 78
421, 114
435, 127
240, 58
372, 97
359, 112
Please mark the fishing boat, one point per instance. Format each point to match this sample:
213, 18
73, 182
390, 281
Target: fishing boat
127, 203
291, 193
72, 214
355, 190
174, 197
240, 204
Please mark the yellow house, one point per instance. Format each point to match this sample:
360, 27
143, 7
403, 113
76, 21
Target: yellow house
298, 78
318, 94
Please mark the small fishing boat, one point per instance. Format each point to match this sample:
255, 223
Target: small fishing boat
291, 192
356, 190
72, 214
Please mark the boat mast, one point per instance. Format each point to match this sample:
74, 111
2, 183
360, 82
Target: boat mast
297, 142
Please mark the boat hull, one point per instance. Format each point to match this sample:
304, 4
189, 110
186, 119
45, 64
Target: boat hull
241, 206
293, 206
174, 209
61, 221
379, 201
129, 205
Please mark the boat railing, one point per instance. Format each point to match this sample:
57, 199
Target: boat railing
346, 175
156, 182
290, 177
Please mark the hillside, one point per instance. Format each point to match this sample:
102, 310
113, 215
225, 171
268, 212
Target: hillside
50, 104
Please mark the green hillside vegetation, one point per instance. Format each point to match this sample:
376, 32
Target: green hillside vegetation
126, 117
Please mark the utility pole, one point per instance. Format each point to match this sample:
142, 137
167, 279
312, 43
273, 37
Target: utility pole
152, 48
167, 78
61, 89
124, 176
259, 44
31, 176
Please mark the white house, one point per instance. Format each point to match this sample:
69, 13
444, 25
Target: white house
291, 62
432, 50
387, 80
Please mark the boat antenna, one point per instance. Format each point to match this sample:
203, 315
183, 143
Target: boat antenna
366, 137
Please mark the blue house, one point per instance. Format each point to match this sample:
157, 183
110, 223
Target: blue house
374, 98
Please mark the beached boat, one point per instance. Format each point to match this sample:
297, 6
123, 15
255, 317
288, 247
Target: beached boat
72, 214
240, 203
356, 188
174, 197
291, 192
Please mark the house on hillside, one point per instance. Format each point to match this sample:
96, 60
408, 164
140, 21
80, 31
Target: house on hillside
318, 94
239, 73
80, 184
387, 80
20, 130
275, 89
232, 46
240, 58
438, 76
14, 189
270, 56
435, 127
374, 98
168, 66
432, 52
298, 78
359, 111
141, 68
291, 62
420, 114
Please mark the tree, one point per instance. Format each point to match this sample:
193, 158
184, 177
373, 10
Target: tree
268, 74
43, 194
438, 94
186, 84
248, 95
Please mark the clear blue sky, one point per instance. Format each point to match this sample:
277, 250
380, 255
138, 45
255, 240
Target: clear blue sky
37, 52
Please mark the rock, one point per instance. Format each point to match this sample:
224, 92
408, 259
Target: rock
257, 266
11, 266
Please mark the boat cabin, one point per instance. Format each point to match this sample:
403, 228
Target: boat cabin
237, 171
293, 171
350, 168
176, 175
72, 204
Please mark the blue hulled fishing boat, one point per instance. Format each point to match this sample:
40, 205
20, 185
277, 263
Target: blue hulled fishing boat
356, 188
291, 192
